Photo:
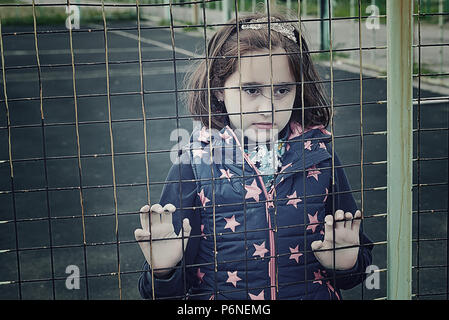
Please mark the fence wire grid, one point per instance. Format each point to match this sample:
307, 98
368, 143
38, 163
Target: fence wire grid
91, 110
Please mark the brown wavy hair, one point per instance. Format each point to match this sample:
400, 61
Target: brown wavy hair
222, 53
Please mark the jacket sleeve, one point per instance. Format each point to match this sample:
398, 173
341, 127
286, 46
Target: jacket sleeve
180, 190
342, 199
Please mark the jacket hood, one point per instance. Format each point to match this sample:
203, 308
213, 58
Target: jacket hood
303, 149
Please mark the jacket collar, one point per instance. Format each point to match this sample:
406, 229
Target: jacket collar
304, 148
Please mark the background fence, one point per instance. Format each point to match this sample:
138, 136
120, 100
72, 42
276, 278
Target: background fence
75, 101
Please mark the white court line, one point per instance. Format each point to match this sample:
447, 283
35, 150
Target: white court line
86, 74
63, 75
75, 51
153, 42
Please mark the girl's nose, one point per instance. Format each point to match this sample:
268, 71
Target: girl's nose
265, 107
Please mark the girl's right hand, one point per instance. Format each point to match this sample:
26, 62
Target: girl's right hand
166, 248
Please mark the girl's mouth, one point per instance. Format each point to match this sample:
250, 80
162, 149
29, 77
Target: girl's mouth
263, 125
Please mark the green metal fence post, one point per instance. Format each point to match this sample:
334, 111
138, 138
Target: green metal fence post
324, 24
167, 10
400, 148
226, 10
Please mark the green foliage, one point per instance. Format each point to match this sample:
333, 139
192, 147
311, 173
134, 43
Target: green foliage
56, 15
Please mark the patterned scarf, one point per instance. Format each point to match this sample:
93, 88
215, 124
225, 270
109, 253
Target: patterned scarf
262, 156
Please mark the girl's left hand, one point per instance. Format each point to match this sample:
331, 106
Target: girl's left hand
346, 235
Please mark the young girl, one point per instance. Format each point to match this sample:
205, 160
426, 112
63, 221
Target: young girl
243, 215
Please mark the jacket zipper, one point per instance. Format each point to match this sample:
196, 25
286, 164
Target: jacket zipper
268, 204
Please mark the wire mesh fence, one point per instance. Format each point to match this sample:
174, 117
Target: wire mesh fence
93, 115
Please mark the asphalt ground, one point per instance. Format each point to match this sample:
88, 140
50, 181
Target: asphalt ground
46, 249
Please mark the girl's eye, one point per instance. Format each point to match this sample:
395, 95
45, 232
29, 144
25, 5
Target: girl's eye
251, 91
282, 91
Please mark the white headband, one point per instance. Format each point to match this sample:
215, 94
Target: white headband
285, 28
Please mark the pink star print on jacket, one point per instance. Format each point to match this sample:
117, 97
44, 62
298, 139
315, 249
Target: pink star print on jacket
198, 153
318, 279
200, 275
295, 253
226, 137
204, 135
253, 191
202, 231
294, 199
313, 173
203, 198
233, 278
260, 250
327, 193
260, 296
226, 174
231, 223
308, 145
313, 221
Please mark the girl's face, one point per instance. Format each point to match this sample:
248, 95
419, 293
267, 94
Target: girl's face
256, 95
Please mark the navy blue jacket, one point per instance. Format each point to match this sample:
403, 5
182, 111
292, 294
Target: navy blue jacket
248, 242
